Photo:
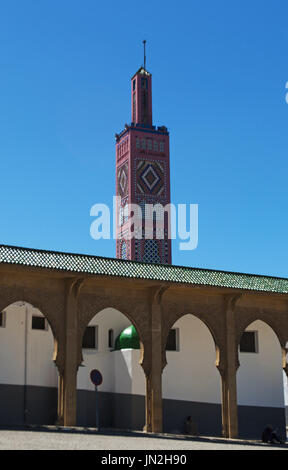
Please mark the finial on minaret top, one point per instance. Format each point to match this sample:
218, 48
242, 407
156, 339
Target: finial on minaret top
144, 43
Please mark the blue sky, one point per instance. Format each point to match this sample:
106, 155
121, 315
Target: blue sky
219, 73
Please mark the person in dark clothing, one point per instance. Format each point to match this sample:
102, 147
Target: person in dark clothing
270, 435
190, 426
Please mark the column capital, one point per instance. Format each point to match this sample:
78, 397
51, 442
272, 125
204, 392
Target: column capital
230, 301
74, 286
157, 293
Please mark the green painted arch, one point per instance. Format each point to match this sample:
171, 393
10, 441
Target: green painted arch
128, 339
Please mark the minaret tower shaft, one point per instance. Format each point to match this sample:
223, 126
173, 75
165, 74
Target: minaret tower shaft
142, 177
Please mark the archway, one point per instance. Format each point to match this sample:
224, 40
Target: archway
111, 345
260, 393
191, 384
28, 375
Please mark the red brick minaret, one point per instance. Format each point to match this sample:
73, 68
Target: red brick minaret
142, 176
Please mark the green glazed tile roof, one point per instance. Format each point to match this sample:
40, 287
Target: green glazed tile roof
132, 269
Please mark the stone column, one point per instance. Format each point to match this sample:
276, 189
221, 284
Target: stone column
228, 371
156, 376
148, 405
154, 418
60, 404
68, 377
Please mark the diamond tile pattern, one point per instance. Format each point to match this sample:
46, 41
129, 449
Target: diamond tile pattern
122, 177
132, 269
150, 177
151, 252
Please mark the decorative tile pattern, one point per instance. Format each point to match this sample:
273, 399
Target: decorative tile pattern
124, 250
122, 180
151, 252
150, 177
78, 263
122, 211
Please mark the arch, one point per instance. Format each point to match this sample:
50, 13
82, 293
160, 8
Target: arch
191, 382
260, 387
28, 375
37, 305
110, 306
277, 329
173, 318
122, 404
265, 319
89, 308
51, 306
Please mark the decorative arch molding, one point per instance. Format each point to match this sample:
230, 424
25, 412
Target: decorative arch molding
135, 311
51, 307
277, 326
279, 329
206, 314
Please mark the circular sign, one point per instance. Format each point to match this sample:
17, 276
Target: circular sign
96, 377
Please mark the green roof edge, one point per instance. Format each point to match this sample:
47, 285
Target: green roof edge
169, 273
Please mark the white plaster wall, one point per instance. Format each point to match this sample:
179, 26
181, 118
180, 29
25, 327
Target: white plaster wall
40, 369
103, 361
285, 382
190, 373
260, 376
123, 371
129, 375
103, 358
106, 319
120, 370
139, 380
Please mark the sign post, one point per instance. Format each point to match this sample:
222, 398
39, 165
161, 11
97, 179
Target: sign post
96, 379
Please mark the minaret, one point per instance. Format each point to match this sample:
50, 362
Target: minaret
142, 176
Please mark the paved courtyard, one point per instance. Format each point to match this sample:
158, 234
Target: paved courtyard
51, 438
